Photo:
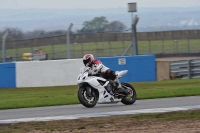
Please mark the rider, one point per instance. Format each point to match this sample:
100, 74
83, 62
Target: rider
97, 67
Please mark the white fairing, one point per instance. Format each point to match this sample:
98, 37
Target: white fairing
104, 96
121, 73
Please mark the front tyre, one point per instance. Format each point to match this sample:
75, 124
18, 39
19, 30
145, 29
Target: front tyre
85, 100
131, 98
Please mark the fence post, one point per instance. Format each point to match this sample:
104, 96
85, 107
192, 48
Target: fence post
16, 51
102, 45
177, 46
68, 40
81, 49
97, 51
163, 46
134, 31
123, 41
174, 47
199, 38
134, 42
110, 48
123, 44
53, 51
32, 45
4, 45
188, 46
188, 41
149, 46
176, 43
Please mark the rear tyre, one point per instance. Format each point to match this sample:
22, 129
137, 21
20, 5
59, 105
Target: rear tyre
85, 100
131, 98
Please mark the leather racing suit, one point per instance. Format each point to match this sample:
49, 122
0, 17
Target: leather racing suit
97, 67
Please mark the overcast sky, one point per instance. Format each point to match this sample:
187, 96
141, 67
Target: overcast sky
71, 4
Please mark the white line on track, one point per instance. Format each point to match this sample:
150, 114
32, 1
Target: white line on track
103, 114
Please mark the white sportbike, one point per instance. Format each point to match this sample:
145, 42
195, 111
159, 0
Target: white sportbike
96, 89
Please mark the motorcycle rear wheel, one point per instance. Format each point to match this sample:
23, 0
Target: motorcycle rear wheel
130, 99
86, 101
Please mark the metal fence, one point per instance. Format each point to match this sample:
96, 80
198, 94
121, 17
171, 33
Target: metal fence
105, 44
185, 69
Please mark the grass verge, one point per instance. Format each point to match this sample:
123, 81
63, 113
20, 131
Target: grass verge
117, 48
64, 95
186, 121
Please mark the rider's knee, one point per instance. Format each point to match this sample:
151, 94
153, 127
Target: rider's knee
110, 74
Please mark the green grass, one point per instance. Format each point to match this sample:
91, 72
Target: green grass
163, 89
64, 95
171, 116
100, 49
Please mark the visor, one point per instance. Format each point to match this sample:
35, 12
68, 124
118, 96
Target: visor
86, 61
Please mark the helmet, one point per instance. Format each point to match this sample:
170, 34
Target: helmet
88, 59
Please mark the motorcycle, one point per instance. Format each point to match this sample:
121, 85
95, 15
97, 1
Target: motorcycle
96, 89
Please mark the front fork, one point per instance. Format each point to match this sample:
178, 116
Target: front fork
88, 91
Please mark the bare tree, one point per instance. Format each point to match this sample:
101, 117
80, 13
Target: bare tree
14, 33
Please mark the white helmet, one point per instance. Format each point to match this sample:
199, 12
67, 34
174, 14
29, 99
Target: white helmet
88, 59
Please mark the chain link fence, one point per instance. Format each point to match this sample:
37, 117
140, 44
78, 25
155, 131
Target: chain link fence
185, 41
105, 44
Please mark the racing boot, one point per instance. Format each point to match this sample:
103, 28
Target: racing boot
119, 90
119, 86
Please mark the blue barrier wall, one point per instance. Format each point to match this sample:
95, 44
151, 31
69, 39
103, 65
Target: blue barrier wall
7, 75
140, 68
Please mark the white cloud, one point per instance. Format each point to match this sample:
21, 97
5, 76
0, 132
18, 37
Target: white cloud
189, 22
183, 22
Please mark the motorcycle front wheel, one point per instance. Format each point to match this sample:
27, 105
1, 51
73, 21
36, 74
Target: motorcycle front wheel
85, 100
131, 98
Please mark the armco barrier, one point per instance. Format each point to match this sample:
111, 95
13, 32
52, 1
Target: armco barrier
140, 68
7, 75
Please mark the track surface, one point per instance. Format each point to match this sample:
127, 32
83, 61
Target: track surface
79, 109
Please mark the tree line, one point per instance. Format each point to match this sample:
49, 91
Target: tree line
97, 24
